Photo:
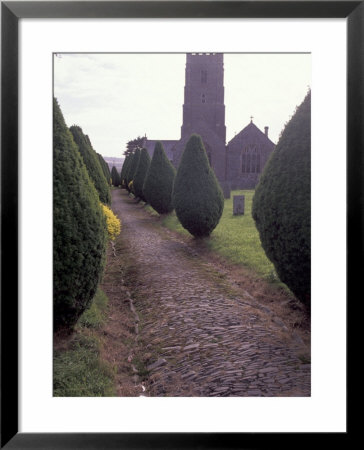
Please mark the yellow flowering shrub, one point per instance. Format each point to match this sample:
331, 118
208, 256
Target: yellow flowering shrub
112, 222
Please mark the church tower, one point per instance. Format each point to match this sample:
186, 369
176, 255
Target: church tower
204, 109
204, 93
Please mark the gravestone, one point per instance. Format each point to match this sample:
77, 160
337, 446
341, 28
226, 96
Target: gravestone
226, 189
238, 204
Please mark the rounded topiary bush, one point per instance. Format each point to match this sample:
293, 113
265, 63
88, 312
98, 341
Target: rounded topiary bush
158, 184
197, 195
92, 163
282, 204
79, 229
140, 174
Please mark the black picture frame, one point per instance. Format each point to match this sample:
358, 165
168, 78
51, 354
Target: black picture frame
11, 12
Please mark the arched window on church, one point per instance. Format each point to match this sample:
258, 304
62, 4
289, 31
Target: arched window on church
258, 162
253, 161
203, 98
203, 76
250, 160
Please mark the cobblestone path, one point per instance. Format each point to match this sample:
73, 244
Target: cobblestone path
199, 337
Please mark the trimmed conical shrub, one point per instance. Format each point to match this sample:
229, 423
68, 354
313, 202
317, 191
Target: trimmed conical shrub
79, 229
105, 168
282, 204
115, 177
124, 171
197, 195
128, 174
133, 166
140, 174
92, 163
158, 184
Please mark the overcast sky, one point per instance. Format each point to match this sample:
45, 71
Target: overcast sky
116, 97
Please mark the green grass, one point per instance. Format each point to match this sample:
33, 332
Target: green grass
150, 210
235, 237
79, 371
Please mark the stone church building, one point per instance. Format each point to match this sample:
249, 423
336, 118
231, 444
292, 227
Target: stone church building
240, 161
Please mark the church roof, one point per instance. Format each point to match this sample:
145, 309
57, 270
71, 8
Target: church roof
251, 131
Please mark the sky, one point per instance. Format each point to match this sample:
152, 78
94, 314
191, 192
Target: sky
115, 98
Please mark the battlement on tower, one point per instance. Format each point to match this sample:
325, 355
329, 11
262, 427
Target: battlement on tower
210, 58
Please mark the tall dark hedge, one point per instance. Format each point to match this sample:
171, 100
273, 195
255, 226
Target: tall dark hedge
158, 184
197, 195
127, 170
124, 171
92, 163
133, 166
115, 177
79, 229
105, 168
140, 174
282, 204
128, 174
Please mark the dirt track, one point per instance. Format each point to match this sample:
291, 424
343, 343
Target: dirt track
197, 334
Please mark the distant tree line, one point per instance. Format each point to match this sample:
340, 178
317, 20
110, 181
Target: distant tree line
134, 144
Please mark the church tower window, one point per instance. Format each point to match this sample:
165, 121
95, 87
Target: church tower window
203, 98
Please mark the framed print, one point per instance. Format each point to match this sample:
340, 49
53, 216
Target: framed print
50, 49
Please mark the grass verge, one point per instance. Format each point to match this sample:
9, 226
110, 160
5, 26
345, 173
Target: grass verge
78, 370
235, 238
